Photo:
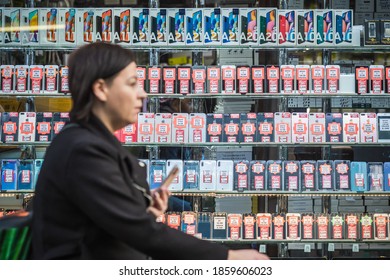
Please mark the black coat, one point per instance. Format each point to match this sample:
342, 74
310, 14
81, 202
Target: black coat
90, 203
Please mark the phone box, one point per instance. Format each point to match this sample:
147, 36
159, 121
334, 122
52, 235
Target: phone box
142, 78
241, 175
157, 173
208, 175
214, 127
49, 25
189, 222
352, 226
26, 175
184, 74
88, 28
27, 122
264, 226
359, 176
145, 128
180, 128
173, 220
154, 79
177, 183
36, 75
318, 79
224, 175
324, 32
122, 26
375, 176
249, 226
158, 27
300, 123
307, 221
129, 133
231, 128
30, 31
258, 178
278, 226
302, 79
228, 78
64, 79
194, 27
243, 79
308, 175
12, 27
334, 127
272, 79
325, 173
305, 27
219, 226
10, 121
104, 25
383, 127
212, 34
268, 26
204, 225
292, 174
387, 79
372, 32
283, 127
351, 129
385, 32
190, 175
37, 169
197, 128
248, 125
141, 27
342, 174
230, 26
176, 27
386, 176
343, 27
169, 84
214, 79
198, 79
67, 35
293, 226
234, 226
287, 35
381, 226
366, 226
7, 78
258, 79
322, 226
332, 78
362, 77
274, 175
287, 75
265, 123
22, 78
9, 174
249, 27
51, 78
376, 79
59, 120
317, 128
337, 226
44, 126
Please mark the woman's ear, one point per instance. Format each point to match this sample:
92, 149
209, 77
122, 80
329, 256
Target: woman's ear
99, 88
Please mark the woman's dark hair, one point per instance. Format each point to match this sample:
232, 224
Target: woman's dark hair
88, 64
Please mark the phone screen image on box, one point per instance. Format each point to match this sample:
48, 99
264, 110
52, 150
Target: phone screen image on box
197, 26
51, 26
69, 26
233, 27
215, 27
143, 27
290, 26
347, 27
179, 27
15, 25
33, 20
328, 27
124, 26
252, 26
271, 26
161, 27
88, 26
107, 25
309, 27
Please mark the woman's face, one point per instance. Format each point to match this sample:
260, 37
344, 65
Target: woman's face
124, 98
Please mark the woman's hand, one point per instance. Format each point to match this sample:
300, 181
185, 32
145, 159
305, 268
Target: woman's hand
160, 201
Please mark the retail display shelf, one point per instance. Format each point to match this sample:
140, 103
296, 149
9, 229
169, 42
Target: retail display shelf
39, 95
302, 241
279, 193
